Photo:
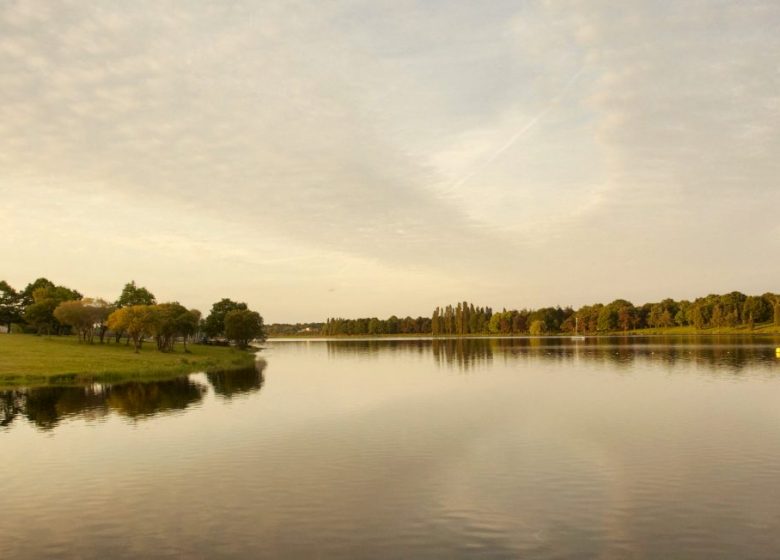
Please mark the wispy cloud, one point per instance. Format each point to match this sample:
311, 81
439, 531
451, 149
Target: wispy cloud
489, 148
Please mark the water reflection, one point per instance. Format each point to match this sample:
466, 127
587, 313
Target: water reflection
463, 352
45, 407
229, 384
720, 353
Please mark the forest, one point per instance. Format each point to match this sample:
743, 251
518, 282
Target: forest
725, 311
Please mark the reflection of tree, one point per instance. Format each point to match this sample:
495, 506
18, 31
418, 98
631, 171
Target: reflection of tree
723, 353
144, 399
47, 406
371, 348
231, 383
464, 352
732, 353
9, 406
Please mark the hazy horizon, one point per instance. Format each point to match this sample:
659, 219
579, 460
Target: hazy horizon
350, 159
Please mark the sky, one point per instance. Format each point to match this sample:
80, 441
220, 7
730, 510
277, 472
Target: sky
345, 158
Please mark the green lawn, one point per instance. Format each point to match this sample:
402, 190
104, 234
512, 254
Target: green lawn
766, 328
35, 360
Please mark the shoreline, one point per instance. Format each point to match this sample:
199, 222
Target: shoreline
773, 331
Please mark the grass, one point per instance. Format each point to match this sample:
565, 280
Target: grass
62, 360
766, 328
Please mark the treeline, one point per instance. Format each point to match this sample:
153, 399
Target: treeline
734, 309
291, 329
465, 318
372, 326
45, 308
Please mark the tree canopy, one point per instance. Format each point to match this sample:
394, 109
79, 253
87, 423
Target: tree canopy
47, 308
10, 305
134, 295
135, 320
84, 315
45, 299
215, 323
242, 326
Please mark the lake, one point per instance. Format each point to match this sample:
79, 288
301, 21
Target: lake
471, 448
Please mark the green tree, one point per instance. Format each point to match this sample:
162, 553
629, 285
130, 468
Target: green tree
494, 325
699, 315
215, 322
164, 323
608, 318
10, 305
435, 322
626, 315
242, 326
27, 293
40, 313
187, 325
757, 309
134, 295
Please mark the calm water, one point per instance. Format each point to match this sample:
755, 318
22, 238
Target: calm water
504, 448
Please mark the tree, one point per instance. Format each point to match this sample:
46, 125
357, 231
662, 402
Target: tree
757, 309
538, 327
10, 305
608, 318
27, 293
164, 325
133, 295
242, 326
187, 324
101, 310
626, 315
40, 313
494, 325
136, 321
84, 315
215, 322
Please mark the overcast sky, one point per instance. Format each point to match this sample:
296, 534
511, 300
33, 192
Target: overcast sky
348, 158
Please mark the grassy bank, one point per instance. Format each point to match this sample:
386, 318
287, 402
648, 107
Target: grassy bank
36, 360
693, 331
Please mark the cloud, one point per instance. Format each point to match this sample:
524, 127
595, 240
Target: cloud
347, 130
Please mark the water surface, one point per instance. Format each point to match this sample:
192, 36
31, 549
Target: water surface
470, 448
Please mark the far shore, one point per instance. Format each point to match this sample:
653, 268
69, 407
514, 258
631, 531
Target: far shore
760, 330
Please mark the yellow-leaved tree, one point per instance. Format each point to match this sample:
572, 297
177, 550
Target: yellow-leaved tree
135, 320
